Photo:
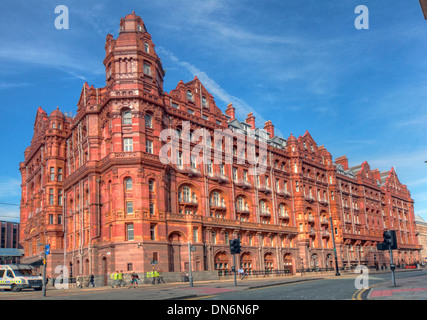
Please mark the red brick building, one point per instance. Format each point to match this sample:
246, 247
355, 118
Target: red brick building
95, 187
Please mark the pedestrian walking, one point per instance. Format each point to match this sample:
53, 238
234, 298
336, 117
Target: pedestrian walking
120, 278
92, 280
79, 282
115, 277
156, 277
134, 280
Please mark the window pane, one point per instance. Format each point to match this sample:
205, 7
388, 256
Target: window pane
129, 207
128, 184
128, 144
129, 232
127, 117
148, 121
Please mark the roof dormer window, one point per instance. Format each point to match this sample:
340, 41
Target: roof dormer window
189, 95
204, 102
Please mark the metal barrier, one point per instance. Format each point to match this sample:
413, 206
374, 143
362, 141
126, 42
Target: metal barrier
256, 273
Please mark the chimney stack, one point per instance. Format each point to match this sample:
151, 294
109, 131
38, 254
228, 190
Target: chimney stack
231, 112
251, 120
343, 161
269, 127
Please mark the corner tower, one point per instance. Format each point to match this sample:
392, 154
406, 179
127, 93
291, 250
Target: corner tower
131, 61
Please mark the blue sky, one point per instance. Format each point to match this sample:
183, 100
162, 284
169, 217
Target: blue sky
301, 64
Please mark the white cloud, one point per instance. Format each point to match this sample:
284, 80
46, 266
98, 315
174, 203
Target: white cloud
242, 108
9, 213
10, 187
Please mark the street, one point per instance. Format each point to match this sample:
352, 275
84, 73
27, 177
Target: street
322, 287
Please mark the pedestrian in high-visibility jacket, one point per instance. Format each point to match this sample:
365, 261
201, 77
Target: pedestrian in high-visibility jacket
148, 276
115, 278
120, 279
156, 277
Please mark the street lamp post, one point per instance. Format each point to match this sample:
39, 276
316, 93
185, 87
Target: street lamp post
190, 277
337, 272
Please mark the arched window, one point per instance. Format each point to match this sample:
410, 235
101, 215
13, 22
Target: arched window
127, 117
204, 102
148, 121
262, 206
151, 185
128, 184
216, 200
186, 194
240, 203
146, 47
282, 210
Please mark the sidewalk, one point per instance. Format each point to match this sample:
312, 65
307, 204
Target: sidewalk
183, 290
410, 288
414, 288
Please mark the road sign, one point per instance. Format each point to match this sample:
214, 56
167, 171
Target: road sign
47, 249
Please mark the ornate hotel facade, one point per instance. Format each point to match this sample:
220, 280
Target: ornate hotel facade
95, 186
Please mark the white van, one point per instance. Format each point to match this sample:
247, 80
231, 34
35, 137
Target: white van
19, 276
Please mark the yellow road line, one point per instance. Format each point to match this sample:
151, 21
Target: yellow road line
202, 297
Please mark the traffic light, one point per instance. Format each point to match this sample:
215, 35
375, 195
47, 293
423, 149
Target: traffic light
390, 241
235, 246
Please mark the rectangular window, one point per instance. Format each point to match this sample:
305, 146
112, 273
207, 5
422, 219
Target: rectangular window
129, 232
153, 232
59, 218
130, 266
156, 256
195, 235
152, 208
235, 174
127, 144
51, 219
129, 207
149, 146
179, 159
51, 196
60, 197
147, 69
59, 174
52, 174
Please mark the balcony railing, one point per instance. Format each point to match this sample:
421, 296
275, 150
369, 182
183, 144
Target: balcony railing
186, 200
325, 234
264, 213
264, 188
221, 178
188, 169
242, 209
324, 221
217, 205
323, 201
242, 183
283, 192
309, 198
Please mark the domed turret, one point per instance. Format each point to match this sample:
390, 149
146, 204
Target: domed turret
57, 114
